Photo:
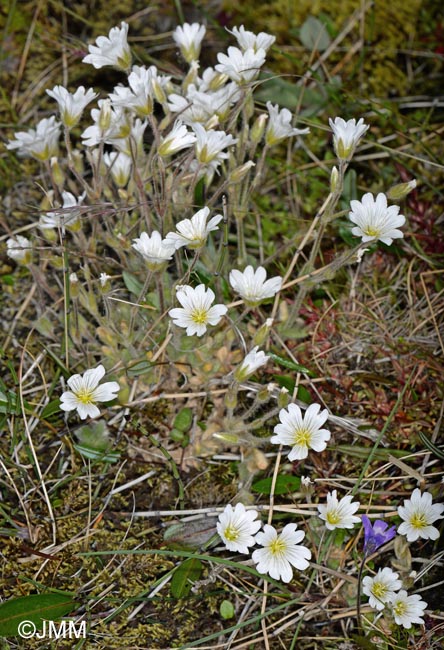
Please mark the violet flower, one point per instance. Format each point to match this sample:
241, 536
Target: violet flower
376, 535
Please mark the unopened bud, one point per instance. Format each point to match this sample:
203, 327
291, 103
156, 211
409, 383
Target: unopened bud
231, 397
334, 178
284, 398
258, 128
74, 287
262, 334
57, 174
104, 121
229, 438
400, 191
238, 174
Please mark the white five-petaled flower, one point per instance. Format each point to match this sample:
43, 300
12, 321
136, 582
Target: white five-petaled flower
189, 40
111, 50
210, 144
67, 216
41, 143
253, 285
374, 220
154, 249
302, 432
197, 309
339, 514
144, 86
85, 392
279, 125
419, 514
119, 165
249, 40
346, 136
236, 527
177, 139
193, 232
382, 588
71, 106
241, 67
281, 552
19, 249
407, 609
254, 359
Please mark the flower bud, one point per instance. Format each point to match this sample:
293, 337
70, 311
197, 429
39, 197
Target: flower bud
258, 128
231, 396
238, 174
105, 116
57, 173
284, 398
74, 287
400, 191
334, 178
262, 334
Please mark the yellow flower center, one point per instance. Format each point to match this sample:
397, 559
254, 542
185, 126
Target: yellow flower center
277, 546
379, 590
85, 396
200, 316
418, 520
333, 517
400, 609
302, 437
371, 231
231, 533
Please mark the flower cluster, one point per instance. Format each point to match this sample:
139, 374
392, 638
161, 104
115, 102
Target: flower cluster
238, 528
384, 590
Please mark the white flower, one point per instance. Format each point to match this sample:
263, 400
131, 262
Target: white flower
154, 249
346, 136
210, 144
239, 66
85, 392
178, 138
110, 125
19, 249
281, 552
236, 527
249, 40
279, 125
41, 143
374, 220
67, 216
119, 165
196, 311
112, 50
103, 279
253, 285
302, 432
193, 232
189, 40
339, 514
141, 93
255, 359
419, 514
407, 609
71, 106
382, 588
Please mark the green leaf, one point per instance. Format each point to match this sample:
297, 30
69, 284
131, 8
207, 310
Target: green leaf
183, 420
304, 395
439, 453
185, 576
34, 608
139, 368
93, 454
292, 365
313, 35
284, 484
226, 609
132, 283
51, 408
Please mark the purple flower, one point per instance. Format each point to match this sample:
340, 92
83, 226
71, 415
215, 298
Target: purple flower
376, 535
